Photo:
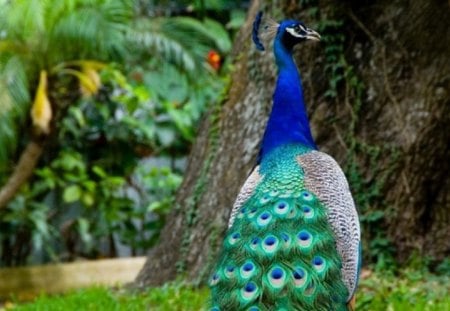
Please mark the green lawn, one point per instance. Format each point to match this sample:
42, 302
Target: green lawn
408, 291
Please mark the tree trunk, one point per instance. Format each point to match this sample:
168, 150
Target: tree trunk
22, 172
378, 102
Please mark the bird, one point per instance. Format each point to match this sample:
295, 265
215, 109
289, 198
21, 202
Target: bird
293, 237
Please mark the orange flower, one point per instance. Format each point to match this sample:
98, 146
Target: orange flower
214, 59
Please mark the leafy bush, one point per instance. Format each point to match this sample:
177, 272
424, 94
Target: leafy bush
90, 193
94, 192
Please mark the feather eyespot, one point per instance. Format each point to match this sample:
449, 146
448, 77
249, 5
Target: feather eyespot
299, 276
214, 279
249, 291
250, 287
252, 212
264, 219
277, 273
292, 213
234, 238
304, 239
307, 196
277, 277
285, 237
247, 270
304, 236
281, 208
254, 243
265, 199
270, 244
270, 241
319, 263
308, 212
229, 271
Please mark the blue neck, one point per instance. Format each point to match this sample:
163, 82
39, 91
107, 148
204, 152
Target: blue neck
288, 122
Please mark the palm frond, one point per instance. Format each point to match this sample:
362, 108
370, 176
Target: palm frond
14, 105
14, 85
90, 32
219, 35
192, 32
146, 35
183, 41
25, 18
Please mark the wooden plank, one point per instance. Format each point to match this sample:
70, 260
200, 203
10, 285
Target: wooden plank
26, 282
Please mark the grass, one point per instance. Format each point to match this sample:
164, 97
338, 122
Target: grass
409, 290
176, 297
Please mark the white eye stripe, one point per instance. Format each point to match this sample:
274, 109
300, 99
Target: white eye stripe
294, 33
303, 28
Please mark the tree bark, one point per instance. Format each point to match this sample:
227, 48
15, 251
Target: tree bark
392, 137
22, 172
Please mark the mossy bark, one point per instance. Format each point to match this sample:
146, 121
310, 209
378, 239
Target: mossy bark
391, 136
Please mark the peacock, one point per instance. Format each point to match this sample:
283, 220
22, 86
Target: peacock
293, 241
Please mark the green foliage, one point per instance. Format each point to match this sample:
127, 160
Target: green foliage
91, 185
444, 267
37, 35
410, 290
25, 219
95, 186
181, 41
101, 140
85, 30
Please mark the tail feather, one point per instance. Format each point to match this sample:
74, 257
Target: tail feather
280, 253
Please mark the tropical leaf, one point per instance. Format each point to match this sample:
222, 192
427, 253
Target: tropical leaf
38, 35
91, 33
208, 34
182, 41
14, 105
148, 36
219, 35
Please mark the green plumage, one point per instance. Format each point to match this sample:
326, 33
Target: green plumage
280, 252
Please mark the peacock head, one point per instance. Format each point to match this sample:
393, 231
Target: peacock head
292, 32
288, 32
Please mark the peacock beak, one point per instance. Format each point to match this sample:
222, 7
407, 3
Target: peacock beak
312, 35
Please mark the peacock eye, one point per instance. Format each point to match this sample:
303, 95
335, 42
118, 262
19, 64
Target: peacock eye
297, 28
